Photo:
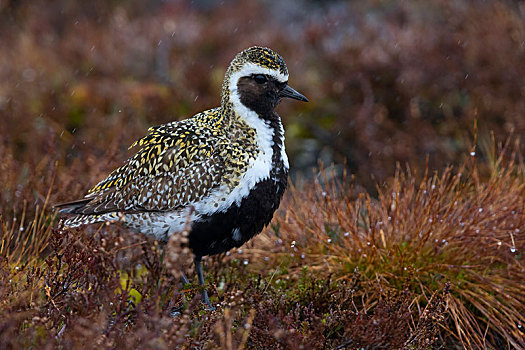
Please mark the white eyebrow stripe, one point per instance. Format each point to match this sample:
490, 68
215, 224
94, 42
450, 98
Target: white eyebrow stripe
252, 68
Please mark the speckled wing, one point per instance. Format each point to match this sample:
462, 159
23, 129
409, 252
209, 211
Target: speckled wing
175, 166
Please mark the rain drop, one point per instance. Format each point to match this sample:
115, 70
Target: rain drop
29, 75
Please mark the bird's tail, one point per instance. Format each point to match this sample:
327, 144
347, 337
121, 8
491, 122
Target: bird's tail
71, 207
75, 217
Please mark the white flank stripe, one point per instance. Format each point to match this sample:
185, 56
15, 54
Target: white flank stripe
284, 156
160, 224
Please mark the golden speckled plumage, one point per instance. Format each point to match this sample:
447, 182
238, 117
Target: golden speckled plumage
182, 162
177, 164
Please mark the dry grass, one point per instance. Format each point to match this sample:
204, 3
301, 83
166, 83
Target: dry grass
421, 234
435, 259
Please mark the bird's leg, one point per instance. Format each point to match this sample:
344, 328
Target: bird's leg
176, 310
198, 268
184, 281
183, 278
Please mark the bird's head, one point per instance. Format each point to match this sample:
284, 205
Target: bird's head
257, 79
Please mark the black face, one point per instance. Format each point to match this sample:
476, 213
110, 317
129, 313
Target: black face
262, 93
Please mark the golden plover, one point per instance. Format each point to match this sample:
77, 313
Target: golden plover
223, 170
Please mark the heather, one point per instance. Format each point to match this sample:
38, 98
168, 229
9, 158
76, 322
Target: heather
404, 224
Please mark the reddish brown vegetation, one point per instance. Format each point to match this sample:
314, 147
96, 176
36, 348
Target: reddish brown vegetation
422, 260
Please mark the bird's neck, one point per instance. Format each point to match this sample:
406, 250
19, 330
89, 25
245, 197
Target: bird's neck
266, 130
260, 127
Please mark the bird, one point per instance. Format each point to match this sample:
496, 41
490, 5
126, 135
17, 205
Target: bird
224, 170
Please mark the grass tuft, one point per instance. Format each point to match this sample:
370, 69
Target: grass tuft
451, 231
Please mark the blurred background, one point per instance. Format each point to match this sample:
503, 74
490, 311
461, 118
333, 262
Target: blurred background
388, 81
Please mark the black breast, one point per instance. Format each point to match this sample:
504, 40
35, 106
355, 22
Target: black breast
220, 232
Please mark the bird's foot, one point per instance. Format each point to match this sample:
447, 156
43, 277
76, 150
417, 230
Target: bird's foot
206, 300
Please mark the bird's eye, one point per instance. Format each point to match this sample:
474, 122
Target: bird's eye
260, 78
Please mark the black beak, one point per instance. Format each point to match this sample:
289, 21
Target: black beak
291, 93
